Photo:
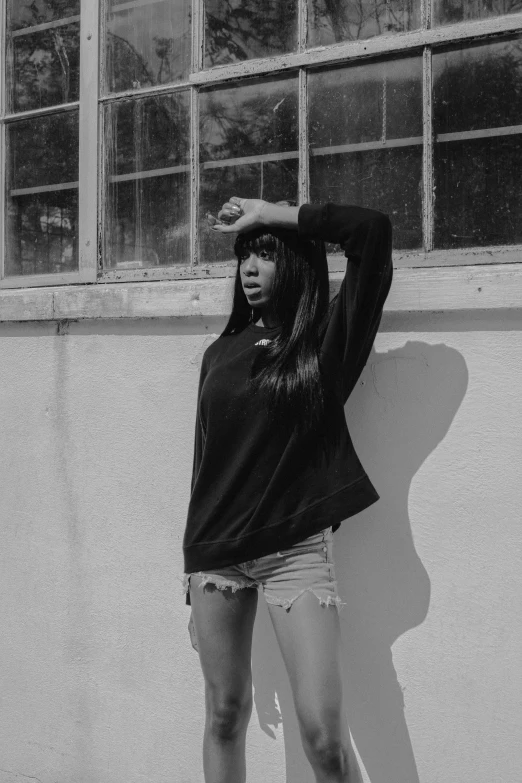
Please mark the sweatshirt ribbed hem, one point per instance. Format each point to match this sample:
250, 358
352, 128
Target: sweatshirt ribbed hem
331, 510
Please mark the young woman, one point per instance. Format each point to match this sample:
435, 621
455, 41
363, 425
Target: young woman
275, 471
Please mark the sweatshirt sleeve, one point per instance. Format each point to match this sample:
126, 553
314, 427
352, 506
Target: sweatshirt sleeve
365, 235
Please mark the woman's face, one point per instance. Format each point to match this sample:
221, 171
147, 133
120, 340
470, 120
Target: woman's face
257, 270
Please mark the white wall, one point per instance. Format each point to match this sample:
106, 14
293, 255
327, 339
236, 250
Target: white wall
99, 683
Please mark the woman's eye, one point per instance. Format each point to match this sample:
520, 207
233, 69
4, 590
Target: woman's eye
264, 254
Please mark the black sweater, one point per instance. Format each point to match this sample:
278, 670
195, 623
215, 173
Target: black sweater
257, 489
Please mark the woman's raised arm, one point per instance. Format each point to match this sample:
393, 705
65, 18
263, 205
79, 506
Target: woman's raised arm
365, 235
238, 215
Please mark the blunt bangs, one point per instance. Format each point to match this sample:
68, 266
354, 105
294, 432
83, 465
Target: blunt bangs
260, 239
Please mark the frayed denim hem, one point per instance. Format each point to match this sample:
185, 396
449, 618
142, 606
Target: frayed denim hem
286, 603
222, 584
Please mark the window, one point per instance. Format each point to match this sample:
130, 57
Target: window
123, 122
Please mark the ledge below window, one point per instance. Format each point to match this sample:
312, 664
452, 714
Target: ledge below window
433, 289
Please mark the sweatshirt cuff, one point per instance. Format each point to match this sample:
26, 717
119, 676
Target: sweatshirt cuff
309, 220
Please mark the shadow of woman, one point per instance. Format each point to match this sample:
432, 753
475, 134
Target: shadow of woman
398, 413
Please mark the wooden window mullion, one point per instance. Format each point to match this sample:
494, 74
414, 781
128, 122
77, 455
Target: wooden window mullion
197, 61
426, 14
303, 191
3, 87
88, 154
427, 151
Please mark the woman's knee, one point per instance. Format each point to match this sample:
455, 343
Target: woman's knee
228, 713
326, 752
323, 739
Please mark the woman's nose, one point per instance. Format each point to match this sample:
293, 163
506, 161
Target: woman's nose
251, 265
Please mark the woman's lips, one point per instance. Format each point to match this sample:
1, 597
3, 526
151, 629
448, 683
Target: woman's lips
251, 292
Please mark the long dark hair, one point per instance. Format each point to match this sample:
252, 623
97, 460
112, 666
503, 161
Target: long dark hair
288, 370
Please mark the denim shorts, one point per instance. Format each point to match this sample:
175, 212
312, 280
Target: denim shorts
284, 575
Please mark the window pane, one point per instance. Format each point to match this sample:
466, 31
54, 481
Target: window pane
348, 20
148, 182
451, 11
147, 43
42, 195
43, 63
365, 131
244, 29
249, 148
478, 145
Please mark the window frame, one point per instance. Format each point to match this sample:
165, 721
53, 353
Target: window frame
92, 101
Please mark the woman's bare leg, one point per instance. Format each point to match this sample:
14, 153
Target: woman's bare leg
309, 636
224, 622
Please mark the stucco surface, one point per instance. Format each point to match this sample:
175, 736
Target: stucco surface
99, 683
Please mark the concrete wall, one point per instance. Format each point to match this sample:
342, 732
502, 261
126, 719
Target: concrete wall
99, 683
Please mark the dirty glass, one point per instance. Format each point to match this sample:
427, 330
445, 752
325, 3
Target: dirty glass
477, 92
244, 29
248, 148
365, 134
452, 11
147, 182
331, 21
43, 64
42, 195
146, 44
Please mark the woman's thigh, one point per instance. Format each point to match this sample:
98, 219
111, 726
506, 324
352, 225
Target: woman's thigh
224, 623
309, 637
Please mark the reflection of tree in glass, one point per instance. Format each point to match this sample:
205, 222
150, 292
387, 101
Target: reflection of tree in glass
478, 184
147, 218
46, 67
42, 233
127, 68
371, 103
340, 20
451, 11
43, 150
244, 29
147, 133
42, 227
478, 87
45, 64
147, 44
253, 119
27, 13
249, 120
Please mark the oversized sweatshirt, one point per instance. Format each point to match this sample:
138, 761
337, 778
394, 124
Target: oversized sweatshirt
258, 488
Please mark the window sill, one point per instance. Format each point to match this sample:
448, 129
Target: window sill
432, 289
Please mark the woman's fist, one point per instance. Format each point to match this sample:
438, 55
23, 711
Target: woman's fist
238, 215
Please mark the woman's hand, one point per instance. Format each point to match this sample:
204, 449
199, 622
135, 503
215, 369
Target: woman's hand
192, 632
238, 215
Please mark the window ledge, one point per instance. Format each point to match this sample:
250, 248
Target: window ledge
451, 288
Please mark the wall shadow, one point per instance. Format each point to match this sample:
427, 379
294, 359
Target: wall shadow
397, 415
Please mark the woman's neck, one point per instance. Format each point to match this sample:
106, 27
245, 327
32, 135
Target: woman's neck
268, 319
